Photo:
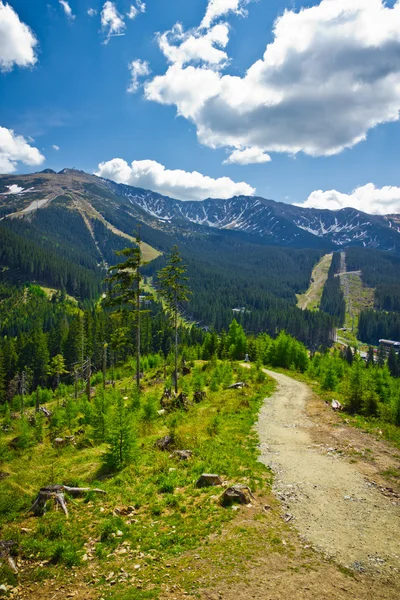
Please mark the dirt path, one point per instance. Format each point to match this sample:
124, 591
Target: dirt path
330, 501
312, 296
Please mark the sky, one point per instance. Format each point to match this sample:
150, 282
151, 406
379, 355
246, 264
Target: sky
292, 100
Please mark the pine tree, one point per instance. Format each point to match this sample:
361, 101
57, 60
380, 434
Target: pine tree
173, 291
381, 357
354, 387
120, 437
123, 293
370, 357
349, 355
393, 363
57, 368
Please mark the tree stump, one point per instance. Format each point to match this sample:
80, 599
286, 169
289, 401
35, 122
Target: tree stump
240, 494
164, 443
208, 479
199, 396
56, 493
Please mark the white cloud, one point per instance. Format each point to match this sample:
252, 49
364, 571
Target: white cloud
219, 8
247, 156
138, 68
67, 9
92, 12
112, 22
133, 12
13, 149
331, 73
367, 198
17, 41
195, 46
55, 147
183, 185
141, 6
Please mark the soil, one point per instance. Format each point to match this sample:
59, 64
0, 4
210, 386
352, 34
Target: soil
336, 505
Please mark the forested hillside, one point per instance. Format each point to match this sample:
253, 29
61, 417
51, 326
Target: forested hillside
380, 270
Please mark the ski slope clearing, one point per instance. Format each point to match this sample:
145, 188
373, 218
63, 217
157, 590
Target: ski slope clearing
312, 297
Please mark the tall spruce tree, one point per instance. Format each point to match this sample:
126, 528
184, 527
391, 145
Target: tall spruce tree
173, 292
123, 294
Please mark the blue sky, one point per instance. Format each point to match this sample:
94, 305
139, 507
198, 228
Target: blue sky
314, 122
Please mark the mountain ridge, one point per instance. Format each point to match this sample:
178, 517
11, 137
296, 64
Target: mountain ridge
265, 220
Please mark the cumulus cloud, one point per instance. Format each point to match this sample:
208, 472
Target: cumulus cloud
13, 149
195, 46
92, 12
141, 6
17, 41
55, 147
367, 198
112, 22
183, 185
67, 9
219, 8
247, 156
331, 73
138, 68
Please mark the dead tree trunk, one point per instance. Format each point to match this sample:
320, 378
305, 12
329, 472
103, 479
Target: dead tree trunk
5, 548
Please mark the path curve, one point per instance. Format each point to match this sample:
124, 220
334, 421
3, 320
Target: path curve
332, 505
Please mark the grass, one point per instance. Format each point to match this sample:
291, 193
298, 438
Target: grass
358, 297
168, 515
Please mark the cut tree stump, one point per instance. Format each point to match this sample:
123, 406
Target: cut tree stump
56, 493
208, 480
240, 494
164, 443
199, 396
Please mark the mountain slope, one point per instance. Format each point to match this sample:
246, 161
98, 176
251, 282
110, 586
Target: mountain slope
264, 221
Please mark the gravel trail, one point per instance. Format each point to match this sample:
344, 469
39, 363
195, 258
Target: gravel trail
331, 504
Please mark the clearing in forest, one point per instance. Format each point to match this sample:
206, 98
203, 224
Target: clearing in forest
312, 297
358, 297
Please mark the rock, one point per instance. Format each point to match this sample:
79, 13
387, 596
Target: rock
208, 480
182, 454
240, 494
164, 442
161, 412
237, 386
119, 533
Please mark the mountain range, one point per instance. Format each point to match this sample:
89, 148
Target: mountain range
120, 207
